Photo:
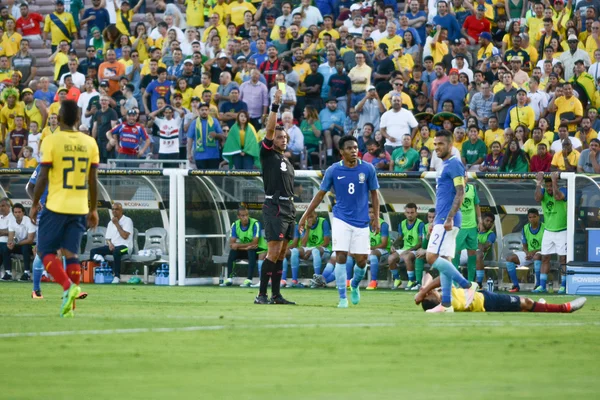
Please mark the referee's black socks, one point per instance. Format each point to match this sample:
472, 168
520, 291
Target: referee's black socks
276, 278
266, 273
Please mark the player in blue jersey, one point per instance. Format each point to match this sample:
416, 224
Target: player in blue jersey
352, 180
38, 266
450, 192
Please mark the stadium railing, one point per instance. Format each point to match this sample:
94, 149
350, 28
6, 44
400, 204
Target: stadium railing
197, 207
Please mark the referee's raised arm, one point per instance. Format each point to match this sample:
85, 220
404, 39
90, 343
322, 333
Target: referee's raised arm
272, 119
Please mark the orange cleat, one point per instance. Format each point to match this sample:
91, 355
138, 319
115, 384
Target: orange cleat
36, 294
348, 283
372, 285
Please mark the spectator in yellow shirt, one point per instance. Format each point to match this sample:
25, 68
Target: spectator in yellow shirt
11, 40
567, 107
125, 15
521, 113
567, 159
439, 48
4, 161
10, 111
61, 26
28, 160
237, 9
391, 39
531, 145
194, 13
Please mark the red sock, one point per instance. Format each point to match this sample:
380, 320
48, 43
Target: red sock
54, 266
553, 308
74, 270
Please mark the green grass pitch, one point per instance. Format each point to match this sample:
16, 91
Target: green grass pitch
215, 344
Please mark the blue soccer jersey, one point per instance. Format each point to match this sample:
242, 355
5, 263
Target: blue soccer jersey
451, 174
33, 180
352, 187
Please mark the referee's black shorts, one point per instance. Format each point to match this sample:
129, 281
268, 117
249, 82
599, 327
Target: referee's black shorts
279, 219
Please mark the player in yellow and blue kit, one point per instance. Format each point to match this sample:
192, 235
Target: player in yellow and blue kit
69, 169
353, 182
486, 301
450, 192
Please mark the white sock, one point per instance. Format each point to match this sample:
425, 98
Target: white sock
329, 152
26, 272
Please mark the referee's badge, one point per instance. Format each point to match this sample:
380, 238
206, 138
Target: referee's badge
361, 178
283, 166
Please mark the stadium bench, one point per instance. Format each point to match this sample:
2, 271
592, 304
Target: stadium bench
155, 239
96, 237
130, 252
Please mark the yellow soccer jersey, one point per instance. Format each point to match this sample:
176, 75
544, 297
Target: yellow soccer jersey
57, 34
70, 156
459, 301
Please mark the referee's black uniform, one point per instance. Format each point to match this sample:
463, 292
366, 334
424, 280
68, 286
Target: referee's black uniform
279, 213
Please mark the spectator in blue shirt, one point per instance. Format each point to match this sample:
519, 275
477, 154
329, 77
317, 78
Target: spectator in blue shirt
417, 19
97, 16
160, 87
447, 21
332, 122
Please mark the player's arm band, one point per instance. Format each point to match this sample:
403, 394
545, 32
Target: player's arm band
274, 108
459, 181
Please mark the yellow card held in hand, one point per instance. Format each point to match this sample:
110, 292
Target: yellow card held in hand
281, 86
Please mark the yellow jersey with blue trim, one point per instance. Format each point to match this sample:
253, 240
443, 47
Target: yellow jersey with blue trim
459, 301
70, 155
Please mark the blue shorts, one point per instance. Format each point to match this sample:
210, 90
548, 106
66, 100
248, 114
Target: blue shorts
494, 302
60, 231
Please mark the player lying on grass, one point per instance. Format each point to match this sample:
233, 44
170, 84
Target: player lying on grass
428, 297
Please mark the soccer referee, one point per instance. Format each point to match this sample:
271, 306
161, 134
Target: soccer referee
279, 213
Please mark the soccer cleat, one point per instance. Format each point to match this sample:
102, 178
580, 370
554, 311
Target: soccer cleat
82, 296
416, 287
410, 285
542, 301
440, 308
372, 285
319, 280
256, 285
396, 284
280, 300
68, 297
297, 285
116, 280
228, 282
348, 283
36, 294
261, 299
7, 277
283, 283
69, 314
539, 289
470, 294
562, 290
576, 304
247, 283
25, 277
355, 295
343, 303
514, 289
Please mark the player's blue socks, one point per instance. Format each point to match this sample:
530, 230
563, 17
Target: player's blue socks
395, 274
543, 280
260, 263
359, 274
38, 270
537, 267
295, 261
349, 266
316, 256
512, 273
328, 273
446, 268
411, 275
340, 279
284, 269
479, 275
374, 262
563, 281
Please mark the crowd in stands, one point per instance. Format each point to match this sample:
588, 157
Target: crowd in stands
516, 82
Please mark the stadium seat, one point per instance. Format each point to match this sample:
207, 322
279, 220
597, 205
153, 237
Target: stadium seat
156, 239
96, 237
510, 244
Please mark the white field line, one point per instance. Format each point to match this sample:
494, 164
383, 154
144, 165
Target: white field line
287, 326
